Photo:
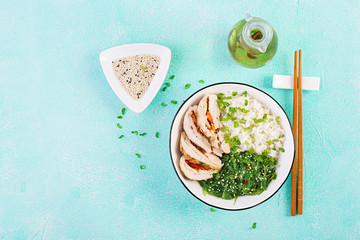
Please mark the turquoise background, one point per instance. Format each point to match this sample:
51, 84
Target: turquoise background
64, 174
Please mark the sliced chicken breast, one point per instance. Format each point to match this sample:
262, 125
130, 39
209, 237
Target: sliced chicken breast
192, 152
193, 171
208, 117
193, 132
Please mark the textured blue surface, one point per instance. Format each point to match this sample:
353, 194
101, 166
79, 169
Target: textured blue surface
64, 174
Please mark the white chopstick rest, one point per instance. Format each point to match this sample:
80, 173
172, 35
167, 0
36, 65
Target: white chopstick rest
287, 82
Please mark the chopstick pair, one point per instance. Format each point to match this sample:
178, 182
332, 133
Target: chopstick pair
297, 174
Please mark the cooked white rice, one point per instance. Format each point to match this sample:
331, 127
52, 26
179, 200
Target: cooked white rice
262, 133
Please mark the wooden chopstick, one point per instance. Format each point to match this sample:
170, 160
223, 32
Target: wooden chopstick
300, 144
293, 170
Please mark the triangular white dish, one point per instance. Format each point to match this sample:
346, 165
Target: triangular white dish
109, 55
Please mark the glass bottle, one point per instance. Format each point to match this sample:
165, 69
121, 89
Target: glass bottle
252, 42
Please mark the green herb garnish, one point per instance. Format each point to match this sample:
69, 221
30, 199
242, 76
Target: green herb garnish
276, 140
224, 128
265, 115
247, 143
277, 119
281, 136
243, 121
119, 126
282, 150
246, 102
138, 155
244, 94
201, 81
157, 134
135, 132
123, 111
121, 136
173, 102
212, 209
119, 117
249, 128
172, 77
142, 167
163, 104
269, 142
234, 93
236, 124
143, 134
143, 67
187, 86
167, 84
254, 225
270, 119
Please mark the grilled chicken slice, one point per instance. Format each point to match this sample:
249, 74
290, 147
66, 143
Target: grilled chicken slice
197, 155
193, 171
193, 132
208, 117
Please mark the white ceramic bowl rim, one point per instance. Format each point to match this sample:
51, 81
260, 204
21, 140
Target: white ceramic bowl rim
172, 160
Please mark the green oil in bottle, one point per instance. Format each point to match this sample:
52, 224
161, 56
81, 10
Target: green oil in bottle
252, 42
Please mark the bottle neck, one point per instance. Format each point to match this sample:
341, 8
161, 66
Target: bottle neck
257, 34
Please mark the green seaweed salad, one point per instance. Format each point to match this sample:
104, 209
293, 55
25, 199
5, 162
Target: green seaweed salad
243, 173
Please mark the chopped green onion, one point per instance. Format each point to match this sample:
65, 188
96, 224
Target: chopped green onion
236, 124
282, 150
246, 142
119, 117
138, 155
232, 109
135, 132
277, 119
119, 126
187, 86
164, 88
265, 115
233, 118
172, 77
234, 93
269, 142
142, 167
243, 121
121, 136
274, 149
163, 104
243, 110
201, 81
212, 209
246, 102
224, 128
254, 225
270, 119
251, 136
248, 128
123, 111
276, 140
173, 102
157, 134
143, 67
220, 95
167, 84
281, 136
143, 134
244, 94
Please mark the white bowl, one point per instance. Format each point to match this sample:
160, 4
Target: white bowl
109, 55
285, 160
